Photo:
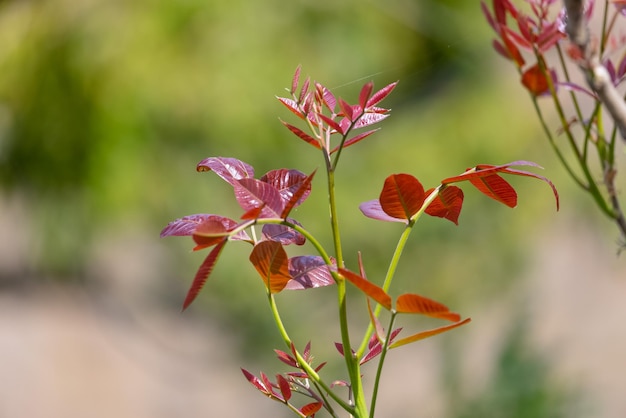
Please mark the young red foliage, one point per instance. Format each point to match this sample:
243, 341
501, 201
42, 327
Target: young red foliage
310, 409
303, 135
430, 333
402, 196
229, 169
203, 273
496, 188
270, 260
367, 287
447, 204
256, 382
284, 386
416, 304
212, 231
308, 271
253, 194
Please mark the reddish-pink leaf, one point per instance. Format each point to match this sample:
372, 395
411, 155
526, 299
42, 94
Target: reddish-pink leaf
365, 94
308, 271
203, 273
302, 135
427, 334
346, 109
209, 233
330, 122
354, 139
270, 260
253, 193
268, 384
372, 209
367, 287
402, 196
496, 188
447, 204
304, 90
283, 385
381, 94
535, 80
291, 105
256, 382
378, 327
369, 119
286, 358
229, 169
283, 234
306, 354
329, 100
296, 80
294, 187
187, 225
416, 304
375, 346
310, 408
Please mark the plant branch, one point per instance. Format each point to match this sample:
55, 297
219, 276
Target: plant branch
596, 74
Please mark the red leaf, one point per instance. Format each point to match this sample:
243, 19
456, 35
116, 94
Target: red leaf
296, 80
333, 124
304, 90
427, 334
412, 303
329, 100
283, 385
381, 94
291, 105
294, 187
365, 94
512, 50
203, 273
283, 234
255, 381
253, 193
536, 80
447, 204
209, 233
229, 169
354, 140
308, 271
346, 109
375, 346
311, 408
372, 209
369, 119
286, 358
496, 188
187, 225
367, 287
402, 196
302, 135
270, 260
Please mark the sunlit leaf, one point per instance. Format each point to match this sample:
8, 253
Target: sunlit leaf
308, 271
381, 94
294, 187
367, 287
295, 80
496, 188
369, 119
253, 193
229, 169
302, 135
426, 334
447, 204
282, 234
268, 384
304, 90
203, 273
372, 209
376, 347
187, 225
402, 196
284, 386
378, 327
310, 408
416, 304
270, 260
333, 124
346, 110
329, 100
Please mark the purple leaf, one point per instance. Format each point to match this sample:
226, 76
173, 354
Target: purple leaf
372, 209
229, 169
287, 182
283, 234
307, 272
252, 194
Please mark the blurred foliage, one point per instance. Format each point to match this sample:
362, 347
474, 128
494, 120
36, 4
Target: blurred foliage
106, 107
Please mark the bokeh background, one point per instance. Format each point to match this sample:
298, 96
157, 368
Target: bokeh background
107, 106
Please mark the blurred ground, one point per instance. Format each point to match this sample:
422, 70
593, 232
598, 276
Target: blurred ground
68, 353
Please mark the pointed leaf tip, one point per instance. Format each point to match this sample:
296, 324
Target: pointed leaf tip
402, 196
370, 289
203, 273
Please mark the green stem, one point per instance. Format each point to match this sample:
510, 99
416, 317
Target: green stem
301, 361
379, 370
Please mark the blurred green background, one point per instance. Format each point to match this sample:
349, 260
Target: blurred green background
106, 107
